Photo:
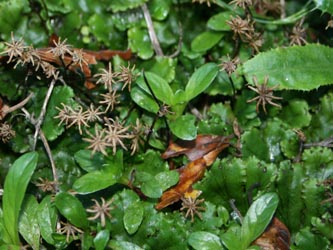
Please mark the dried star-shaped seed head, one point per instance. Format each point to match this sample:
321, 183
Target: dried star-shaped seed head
298, 34
127, 76
240, 27
265, 94
98, 142
93, 114
6, 132
110, 99
101, 210
107, 77
242, 3
61, 48
46, 185
79, 118
14, 48
137, 133
191, 204
68, 229
229, 65
116, 133
78, 57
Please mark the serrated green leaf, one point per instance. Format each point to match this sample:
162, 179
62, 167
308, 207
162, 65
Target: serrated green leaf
184, 127
101, 239
296, 114
15, 186
60, 94
298, 67
47, 219
28, 222
164, 67
72, 209
200, 80
204, 241
206, 41
218, 22
258, 217
133, 217
324, 5
305, 239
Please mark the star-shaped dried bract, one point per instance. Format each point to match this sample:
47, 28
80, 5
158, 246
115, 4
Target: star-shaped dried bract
127, 76
298, 34
110, 99
6, 132
97, 141
101, 210
116, 133
14, 48
229, 65
191, 204
69, 230
61, 48
265, 94
107, 77
46, 185
204, 1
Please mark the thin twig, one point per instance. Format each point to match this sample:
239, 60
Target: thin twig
40, 119
235, 209
151, 31
180, 42
6, 110
45, 143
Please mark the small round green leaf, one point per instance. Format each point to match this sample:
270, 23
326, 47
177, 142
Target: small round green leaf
204, 241
167, 179
139, 42
133, 217
71, 208
184, 127
123, 245
121, 5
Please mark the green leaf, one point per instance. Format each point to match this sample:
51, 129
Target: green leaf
218, 22
305, 239
121, 5
133, 217
298, 67
258, 217
149, 185
144, 100
296, 114
47, 219
101, 239
15, 185
167, 179
139, 42
184, 127
204, 241
94, 181
51, 128
206, 41
200, 80
71, 208
231, 238
164, 67
28, 222
107, 176
160, 87
123, 245
324, 5
89, 162
159, 9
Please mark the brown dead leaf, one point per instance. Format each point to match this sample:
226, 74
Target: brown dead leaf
202, 152
275, 237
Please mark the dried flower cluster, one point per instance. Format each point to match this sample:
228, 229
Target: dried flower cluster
265, 94
191, 204
101, 210
6, 132
229, 65
298, 34
68, 229
244, 30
